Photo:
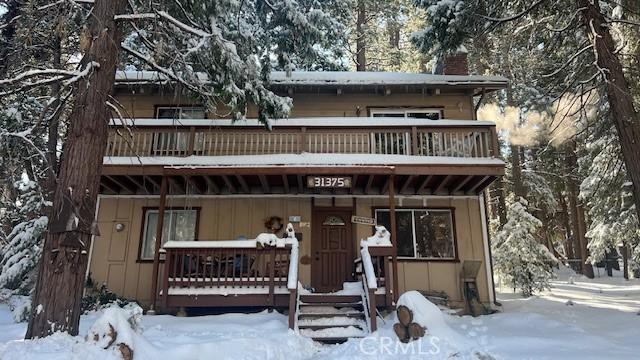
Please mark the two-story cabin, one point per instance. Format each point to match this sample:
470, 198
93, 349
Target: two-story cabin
400, 150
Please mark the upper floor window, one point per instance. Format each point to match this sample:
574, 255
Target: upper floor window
422, 233
409, 113
180, 112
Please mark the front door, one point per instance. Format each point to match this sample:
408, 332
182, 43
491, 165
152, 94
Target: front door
331, 249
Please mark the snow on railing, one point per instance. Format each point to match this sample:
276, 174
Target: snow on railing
292, 279
367, 267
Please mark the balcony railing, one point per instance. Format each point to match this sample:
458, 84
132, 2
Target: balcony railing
450, 138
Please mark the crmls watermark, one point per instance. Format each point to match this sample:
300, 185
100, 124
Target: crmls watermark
385, 345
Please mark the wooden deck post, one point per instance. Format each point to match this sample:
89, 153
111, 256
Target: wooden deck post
156, 254
392, 216
293, 300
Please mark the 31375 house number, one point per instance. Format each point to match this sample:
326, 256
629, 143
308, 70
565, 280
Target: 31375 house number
328, 181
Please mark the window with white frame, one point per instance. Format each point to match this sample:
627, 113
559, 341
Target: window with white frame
180, 112
422, 233
408, 113
178, 225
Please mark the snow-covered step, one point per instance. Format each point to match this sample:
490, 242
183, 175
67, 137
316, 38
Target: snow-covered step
334, 333
322, 298
332, 321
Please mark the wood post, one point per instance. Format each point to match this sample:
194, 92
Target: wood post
494, 143
191, 141
158, 244
293, 299
373, 317
414, 141
392, 216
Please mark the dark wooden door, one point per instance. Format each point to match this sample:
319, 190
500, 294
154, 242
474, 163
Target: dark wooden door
331, 249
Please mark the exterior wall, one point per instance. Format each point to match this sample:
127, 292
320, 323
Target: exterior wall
114, 259
311, 105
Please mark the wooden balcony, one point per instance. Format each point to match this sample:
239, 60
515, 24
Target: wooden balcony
441, 138
216, 157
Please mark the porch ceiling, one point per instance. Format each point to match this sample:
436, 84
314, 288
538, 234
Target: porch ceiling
366, 180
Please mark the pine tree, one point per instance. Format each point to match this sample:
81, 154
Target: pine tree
519, 258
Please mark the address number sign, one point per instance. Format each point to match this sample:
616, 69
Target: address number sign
329, 181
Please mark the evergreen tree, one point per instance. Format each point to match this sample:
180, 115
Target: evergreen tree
518, 257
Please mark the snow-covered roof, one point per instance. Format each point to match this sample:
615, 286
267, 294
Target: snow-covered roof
307, 122
345, 78
304, 159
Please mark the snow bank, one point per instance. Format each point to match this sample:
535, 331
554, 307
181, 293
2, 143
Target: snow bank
430, 316
20, 306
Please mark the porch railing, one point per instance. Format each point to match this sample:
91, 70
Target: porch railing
226, 267
449, 138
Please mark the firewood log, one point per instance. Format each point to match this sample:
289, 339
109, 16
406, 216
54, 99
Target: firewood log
402, 332
405, 315
416, 330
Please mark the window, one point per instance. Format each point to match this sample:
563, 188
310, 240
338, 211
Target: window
179, 225
422, 233
180, 112
429, 114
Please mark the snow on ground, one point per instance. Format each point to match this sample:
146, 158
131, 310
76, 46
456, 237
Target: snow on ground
600, 321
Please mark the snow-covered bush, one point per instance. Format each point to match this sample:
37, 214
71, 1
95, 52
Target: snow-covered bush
97, 298
519, 259
20, 256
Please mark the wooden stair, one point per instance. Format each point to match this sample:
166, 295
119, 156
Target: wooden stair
331, 318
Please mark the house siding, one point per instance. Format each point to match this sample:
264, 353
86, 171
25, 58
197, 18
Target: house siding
455, 106
114, 259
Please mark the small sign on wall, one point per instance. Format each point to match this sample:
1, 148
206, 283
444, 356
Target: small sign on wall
363, 220
328, 181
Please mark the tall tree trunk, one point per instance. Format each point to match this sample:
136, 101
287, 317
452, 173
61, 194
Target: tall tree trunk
361, 37
566, 224
625, 117
498, 203
516, 172
58, 296
577, 212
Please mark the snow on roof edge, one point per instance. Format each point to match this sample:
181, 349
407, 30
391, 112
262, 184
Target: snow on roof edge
341, 78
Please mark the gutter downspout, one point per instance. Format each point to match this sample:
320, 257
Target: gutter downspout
486, 240
93, 239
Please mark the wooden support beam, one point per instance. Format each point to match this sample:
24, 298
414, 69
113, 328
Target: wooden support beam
300, 184
139, 184
285, 183
406, 184
354, 181
155, 184
385, 187
461, 183
122, 185
243, 184
211, 185
392, 220
474, 187
105, 183
175, 184
265, 184
156, 254
190, 180
483, 184
367, 189
230, 186
424, 184
442, 184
